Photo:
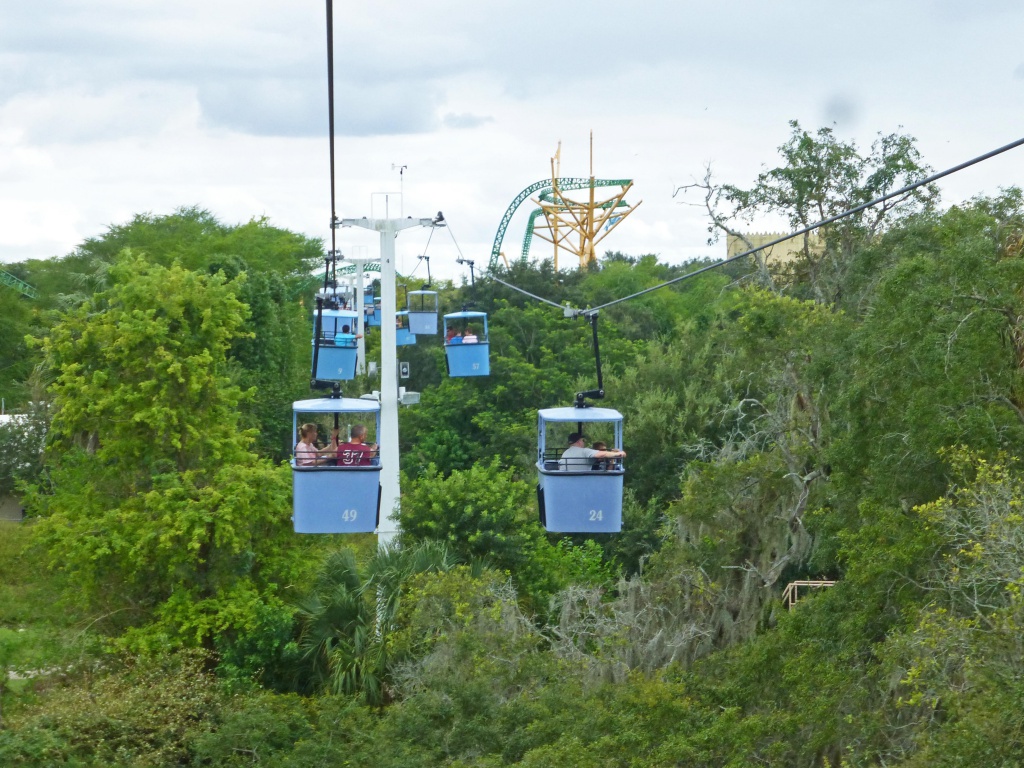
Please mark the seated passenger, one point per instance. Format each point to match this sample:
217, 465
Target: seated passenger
306, 452
578, 457
346, 338
470, 337
356, 453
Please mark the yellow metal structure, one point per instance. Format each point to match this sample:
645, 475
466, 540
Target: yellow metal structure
578, 226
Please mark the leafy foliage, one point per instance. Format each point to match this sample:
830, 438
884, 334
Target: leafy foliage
16, 322
21, 448
140, 715
157, 498
486, 515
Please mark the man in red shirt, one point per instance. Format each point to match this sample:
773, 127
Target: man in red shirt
356, 453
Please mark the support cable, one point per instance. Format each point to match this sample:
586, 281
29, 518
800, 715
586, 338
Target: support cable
430, 236
332, 257
330, 116
462, 259
456, 242
317, 326
594, 394
532, 296
419, 259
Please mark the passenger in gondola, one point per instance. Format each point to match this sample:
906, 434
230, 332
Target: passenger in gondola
356, 453
578, 457
306, 452
470, 337
453, 337
347, 335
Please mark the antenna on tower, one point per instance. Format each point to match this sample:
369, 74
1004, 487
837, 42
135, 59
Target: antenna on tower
401, 186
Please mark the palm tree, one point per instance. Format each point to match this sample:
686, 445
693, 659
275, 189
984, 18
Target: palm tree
346, 618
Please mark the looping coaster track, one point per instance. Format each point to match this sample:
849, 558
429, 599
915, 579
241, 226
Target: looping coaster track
546, 189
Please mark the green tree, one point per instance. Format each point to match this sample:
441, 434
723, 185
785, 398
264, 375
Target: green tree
350, 614
485, 515
822, 176
481, 513
15, 361
21, 447
274, 358
156, 502
193, 238
937, 361
140, 371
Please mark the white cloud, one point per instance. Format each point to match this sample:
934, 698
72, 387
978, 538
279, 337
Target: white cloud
113, 107
465, 120
83, 116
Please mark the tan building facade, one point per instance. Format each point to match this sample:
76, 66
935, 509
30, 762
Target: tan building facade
778, 254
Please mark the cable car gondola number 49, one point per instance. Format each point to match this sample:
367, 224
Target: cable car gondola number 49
349, 515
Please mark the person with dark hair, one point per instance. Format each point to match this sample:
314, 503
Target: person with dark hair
578, 457
346, 338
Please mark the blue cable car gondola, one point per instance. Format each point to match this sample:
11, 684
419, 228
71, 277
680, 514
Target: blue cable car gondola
423, 312
403, 336
578, 495
373, 313
466, 348
336, 499
336, 349
336, 297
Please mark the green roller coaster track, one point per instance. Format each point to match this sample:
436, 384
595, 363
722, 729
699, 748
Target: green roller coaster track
350, 269
18, 284
546, 190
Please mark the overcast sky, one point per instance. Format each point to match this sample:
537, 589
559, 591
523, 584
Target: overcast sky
110, 108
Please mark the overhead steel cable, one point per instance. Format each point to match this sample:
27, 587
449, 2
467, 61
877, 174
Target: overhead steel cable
330, 117
462, 259
830, 220
532, 296
448, 226
419, 260
332, 257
